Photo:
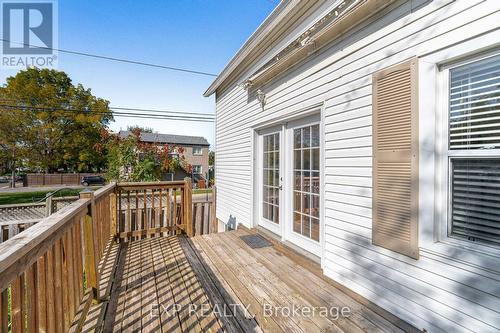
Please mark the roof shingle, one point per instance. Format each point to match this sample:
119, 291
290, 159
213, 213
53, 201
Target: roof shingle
168, 138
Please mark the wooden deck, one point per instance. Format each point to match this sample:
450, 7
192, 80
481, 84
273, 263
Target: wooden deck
207, 284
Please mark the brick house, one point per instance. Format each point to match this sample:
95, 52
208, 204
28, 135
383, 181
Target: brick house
195, 150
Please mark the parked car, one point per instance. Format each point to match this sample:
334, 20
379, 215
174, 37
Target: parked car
7, 179
93, 180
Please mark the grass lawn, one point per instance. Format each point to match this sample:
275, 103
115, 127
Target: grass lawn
202, 190
198, 191
29, 197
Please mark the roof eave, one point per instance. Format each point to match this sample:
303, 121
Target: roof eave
306, 45
239, 57
312, 41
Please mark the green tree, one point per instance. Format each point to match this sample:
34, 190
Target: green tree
211, 163
11, 141
140, 128
56, 124
211, 157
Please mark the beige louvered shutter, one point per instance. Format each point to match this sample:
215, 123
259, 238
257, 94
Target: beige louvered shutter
395, 159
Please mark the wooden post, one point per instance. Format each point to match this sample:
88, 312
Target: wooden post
89, 245
30, 306
48, 206
214, 228
4, 304
113, 214
187, 203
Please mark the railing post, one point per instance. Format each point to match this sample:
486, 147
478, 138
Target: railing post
89, 244
188, 207
113, 201
214, 228
48, 206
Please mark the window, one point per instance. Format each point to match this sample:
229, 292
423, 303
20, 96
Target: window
197, 169
271, 176
197, 151
474, 150
306, 170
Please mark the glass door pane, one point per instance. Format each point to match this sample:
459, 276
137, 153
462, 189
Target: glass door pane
306, 171
271, 177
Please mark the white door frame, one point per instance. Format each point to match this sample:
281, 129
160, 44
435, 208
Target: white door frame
285, 228
271, 226
312, 246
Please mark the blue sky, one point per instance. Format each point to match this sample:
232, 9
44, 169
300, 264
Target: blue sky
196, 34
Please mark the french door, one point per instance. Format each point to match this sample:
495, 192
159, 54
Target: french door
290, 185
271, 180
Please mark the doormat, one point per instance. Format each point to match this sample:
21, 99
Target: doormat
256, 241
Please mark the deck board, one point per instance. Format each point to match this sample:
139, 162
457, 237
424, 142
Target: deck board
268, 291
149, 291
281, 277
197, 296
131, 320
169, 320
318, 292
205, 276
117, 302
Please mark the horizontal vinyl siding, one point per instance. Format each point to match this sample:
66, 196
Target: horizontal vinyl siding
437, 292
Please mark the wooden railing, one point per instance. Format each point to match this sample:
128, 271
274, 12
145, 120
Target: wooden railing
165, 208
16, 218
48, 268
146, 209
204, 219
49, 273
12, 228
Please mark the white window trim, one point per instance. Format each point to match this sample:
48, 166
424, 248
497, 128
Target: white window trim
447, 155
434, 155
201, 169
198, 154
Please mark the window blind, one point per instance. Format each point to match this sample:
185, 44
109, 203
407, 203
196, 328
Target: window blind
474, 103
476, 199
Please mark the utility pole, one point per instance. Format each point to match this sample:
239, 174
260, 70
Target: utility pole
13, 166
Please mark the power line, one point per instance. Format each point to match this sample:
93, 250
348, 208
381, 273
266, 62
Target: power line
165, 118
112, 109
96, 56
116, 114
111, 113
20, 104
159, 111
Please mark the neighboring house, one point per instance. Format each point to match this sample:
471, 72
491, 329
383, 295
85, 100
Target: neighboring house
195, 150
367, 133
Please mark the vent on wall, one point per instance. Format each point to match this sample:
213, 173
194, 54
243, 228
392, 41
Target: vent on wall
395, 159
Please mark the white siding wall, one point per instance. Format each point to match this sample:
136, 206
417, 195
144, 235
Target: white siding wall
439, 292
